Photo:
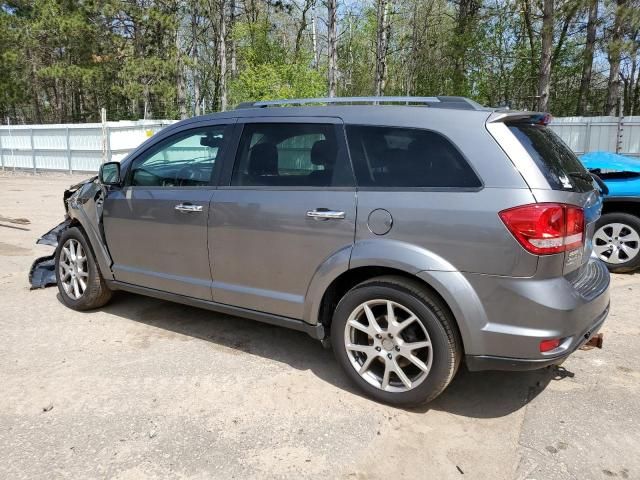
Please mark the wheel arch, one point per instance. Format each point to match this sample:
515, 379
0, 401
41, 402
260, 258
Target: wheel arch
80, 219
621, 205
352, 277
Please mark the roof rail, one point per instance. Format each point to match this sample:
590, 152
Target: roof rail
458, 103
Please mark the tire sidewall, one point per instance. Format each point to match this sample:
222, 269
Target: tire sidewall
442, 363
627, 219
82, 302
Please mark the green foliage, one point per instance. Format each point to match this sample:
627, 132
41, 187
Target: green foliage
267, 72
63, 60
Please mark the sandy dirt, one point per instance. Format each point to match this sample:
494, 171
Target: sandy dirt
148, 389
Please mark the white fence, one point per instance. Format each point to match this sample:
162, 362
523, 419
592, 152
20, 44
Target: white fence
83, 147
610, 134
77, 147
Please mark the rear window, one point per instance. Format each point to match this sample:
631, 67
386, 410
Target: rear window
389, 157
555, 160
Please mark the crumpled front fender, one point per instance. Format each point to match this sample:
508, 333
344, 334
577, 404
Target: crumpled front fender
83, 204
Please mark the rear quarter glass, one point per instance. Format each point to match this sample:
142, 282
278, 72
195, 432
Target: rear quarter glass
559, 165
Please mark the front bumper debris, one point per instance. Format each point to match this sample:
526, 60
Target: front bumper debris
43, 271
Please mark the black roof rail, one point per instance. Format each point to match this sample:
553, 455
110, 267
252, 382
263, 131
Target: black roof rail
458, 103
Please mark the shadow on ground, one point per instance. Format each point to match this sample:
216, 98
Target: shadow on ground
471, 394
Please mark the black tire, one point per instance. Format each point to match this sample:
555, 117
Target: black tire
432, 314
96, 294
631, 222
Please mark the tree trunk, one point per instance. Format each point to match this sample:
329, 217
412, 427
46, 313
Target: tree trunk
314, 36
587, 66
222, 53
526, 15
615, 51
332, 46
382, 44
465, 22
36, 116
302, 27
629, 94
181, 90
544, 75
232, 42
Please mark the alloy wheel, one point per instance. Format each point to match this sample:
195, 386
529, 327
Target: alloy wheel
616, 243
73, 271
388, 346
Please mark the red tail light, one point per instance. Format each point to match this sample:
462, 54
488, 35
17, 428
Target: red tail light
551, 344
546, 228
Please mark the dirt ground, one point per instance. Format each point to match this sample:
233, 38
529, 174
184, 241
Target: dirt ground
147, 389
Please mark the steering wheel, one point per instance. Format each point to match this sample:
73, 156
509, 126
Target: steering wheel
187, 174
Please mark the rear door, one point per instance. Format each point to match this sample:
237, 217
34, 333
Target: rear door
284, 207
156, 225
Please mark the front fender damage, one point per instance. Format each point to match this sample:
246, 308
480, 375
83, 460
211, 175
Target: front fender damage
87, 195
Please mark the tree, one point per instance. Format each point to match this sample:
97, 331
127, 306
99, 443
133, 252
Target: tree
332, 44
544, 75
587, 63
382, 45
615, 51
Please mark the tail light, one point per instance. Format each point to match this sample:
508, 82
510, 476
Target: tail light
551, 344
546, 228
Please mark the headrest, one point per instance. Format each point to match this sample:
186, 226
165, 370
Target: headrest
323, 153
263, 159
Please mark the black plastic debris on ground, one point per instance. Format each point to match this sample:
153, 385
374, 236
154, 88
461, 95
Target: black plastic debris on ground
43, 272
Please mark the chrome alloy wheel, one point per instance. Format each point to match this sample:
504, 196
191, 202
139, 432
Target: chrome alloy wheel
388, 346
73, 271
616, 243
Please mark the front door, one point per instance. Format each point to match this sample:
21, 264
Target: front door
288, 205
156, 225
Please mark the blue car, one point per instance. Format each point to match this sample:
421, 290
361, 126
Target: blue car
617, 237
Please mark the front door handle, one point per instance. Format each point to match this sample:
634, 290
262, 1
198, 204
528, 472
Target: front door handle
188, 208
325, 214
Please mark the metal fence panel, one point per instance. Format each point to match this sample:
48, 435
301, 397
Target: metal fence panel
72, 147
609, 134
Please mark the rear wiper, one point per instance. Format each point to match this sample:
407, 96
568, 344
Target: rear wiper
581, 175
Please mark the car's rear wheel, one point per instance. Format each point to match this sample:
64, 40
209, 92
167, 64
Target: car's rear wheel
396, 340
617, 241
79, 281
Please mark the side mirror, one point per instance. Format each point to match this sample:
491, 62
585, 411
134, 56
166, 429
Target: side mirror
110, 173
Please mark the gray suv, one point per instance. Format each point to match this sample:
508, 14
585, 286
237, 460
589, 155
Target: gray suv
411, 234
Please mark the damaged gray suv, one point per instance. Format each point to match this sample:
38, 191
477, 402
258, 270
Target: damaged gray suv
412, 234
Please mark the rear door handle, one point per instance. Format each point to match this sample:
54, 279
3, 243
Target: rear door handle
325, 214
188, 208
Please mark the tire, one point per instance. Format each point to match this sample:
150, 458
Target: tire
617, 241
432, 323
95, 294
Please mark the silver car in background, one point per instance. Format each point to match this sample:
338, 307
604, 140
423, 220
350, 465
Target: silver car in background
411, 234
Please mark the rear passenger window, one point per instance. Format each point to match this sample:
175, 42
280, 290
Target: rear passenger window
290, 155
407, 157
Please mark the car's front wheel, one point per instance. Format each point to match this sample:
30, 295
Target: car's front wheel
617, 241
79, 281
396, 340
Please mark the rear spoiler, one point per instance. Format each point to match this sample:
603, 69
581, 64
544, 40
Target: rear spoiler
535, 118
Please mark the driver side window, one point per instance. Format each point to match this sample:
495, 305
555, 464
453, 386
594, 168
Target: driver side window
187, 159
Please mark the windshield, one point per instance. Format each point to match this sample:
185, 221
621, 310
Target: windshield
556, 161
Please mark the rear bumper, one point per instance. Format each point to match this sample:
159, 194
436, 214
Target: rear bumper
502, 320
487, 362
